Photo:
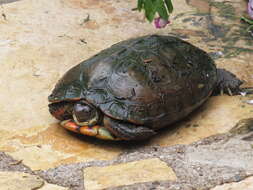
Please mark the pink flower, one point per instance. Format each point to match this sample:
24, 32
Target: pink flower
161, 23
250, 8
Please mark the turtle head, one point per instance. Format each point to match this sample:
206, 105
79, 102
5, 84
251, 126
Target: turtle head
81, 112
85, 114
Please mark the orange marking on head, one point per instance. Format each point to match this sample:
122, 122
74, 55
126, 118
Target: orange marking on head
72, 126
58, 113
90, 131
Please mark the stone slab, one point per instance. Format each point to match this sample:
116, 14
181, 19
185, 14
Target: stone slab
39, 44
96, 178
246, 184
218, 115
24, 181
18, 180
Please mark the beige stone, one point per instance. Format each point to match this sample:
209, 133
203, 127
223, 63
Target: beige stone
246, 184
218, 115
18, 180
24, 181
55, 146
202, 6
39, 44
48, 186
96, 178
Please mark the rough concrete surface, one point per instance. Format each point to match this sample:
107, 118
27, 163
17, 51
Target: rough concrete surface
41, 40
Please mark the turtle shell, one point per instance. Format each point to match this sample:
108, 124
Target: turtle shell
152, 80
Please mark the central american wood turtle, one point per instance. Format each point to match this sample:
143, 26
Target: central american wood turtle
133, 88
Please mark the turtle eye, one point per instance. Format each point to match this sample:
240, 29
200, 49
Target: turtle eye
84, 112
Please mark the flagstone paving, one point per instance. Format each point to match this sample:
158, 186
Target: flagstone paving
246, 184
24, 181
127, 173
41, 40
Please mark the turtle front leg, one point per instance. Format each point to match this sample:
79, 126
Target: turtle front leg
127, 131
227, 83
97, 131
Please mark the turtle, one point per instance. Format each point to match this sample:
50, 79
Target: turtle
135, 87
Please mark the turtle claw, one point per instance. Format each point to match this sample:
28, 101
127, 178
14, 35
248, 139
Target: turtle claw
97, 131
221, 92
229, 91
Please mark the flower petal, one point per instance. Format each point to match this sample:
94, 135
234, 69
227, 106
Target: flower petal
250, 8
160, 22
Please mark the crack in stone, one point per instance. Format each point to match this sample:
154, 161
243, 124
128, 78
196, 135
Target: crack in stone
42, 185
7, 163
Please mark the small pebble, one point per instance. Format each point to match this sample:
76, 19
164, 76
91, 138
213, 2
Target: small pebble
243, 93
37, 74
220, 53
249, 102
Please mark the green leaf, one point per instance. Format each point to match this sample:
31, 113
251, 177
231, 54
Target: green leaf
161, 9
149, 10
247, 20
169, 5
140, 4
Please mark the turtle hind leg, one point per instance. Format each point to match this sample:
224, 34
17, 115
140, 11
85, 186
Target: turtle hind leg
227, 83
127, 131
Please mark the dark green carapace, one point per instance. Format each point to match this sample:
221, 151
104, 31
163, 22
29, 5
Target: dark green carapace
138, 86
